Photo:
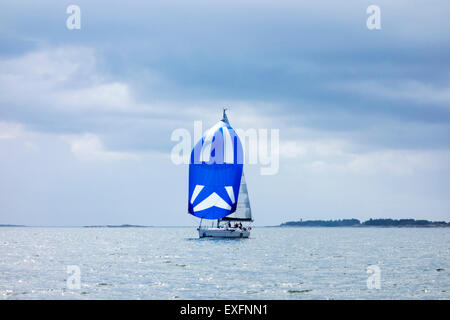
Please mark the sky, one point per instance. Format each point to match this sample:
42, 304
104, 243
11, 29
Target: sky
86, 115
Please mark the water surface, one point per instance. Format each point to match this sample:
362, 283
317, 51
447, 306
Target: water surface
275, 263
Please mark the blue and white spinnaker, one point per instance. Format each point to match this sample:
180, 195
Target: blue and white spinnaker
215, 172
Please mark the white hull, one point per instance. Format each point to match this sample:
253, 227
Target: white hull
222, 233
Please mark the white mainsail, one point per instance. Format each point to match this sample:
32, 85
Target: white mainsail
243, 210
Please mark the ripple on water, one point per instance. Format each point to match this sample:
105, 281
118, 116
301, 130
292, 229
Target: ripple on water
171, 263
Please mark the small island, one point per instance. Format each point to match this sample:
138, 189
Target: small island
400, 223
12, 225
118, 226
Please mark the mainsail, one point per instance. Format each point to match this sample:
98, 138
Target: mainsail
215, 172
243, 210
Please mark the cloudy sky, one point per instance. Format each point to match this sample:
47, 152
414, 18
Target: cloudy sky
86, 115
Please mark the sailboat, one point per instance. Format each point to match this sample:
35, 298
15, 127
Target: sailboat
217, 188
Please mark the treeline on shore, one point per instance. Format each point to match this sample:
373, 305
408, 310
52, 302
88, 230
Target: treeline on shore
368, 223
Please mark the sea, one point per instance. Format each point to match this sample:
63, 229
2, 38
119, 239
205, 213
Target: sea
274, 263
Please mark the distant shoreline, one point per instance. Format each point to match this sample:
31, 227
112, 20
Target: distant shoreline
344, 223
118, 226
380, 223
93, 226
12, 225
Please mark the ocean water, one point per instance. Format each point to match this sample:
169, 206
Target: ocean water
275, 263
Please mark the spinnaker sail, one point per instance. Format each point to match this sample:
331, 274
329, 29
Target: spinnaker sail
215, 172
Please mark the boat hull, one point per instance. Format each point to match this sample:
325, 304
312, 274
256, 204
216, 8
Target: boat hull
222, 233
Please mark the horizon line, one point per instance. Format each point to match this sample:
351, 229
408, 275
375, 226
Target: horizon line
128, 225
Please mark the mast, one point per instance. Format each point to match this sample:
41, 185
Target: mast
224, 117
